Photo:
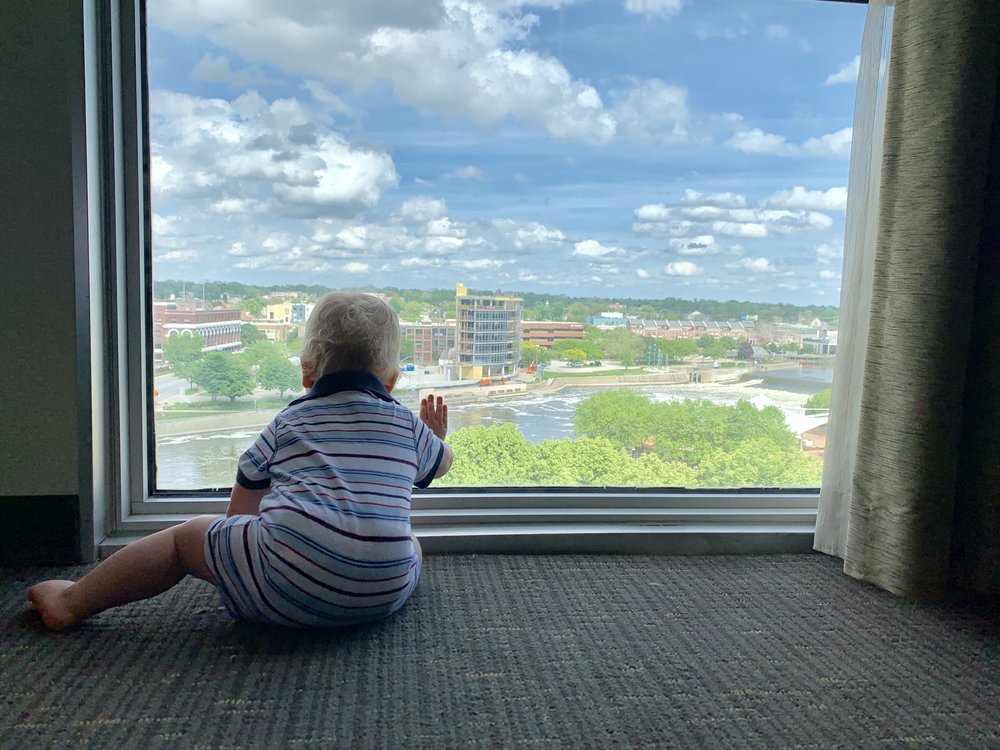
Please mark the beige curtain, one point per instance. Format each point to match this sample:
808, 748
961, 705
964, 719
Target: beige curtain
924, 513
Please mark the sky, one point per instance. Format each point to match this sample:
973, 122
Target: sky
614, 148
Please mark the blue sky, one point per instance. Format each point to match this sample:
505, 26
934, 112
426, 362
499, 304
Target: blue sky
635, 148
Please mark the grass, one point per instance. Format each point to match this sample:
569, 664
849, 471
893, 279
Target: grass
207, 408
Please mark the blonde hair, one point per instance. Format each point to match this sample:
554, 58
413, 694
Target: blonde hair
351, 331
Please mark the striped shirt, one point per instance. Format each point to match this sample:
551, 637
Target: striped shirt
332, 543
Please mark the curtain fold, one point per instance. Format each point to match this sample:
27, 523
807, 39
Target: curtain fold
924, 499
856, 282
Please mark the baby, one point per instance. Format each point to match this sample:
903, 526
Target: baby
318, 527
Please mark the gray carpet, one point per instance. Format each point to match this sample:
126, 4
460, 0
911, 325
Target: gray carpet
494, 651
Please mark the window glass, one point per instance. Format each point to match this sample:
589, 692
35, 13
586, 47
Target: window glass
612, 231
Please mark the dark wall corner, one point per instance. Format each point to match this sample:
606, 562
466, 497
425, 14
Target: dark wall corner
40, 530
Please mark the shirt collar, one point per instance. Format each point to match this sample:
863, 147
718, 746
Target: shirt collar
346, 380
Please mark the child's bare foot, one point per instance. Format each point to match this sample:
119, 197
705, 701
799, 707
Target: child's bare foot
49, 598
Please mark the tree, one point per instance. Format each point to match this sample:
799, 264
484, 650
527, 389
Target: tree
250, 334
183, 354
534, 353
623, 417
625, 346
277, 373
494, 456
574, 355
677, 348
224, 375
745, 350
253, 305
405, 347
820, 401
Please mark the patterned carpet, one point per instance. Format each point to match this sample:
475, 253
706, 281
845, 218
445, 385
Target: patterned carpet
520, 651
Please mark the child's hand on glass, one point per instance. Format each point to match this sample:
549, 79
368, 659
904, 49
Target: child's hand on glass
434, 413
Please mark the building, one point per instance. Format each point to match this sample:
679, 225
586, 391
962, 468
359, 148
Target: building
488, 335
548, 332
278, 332
693, 328
219, 329
431, 341
607, 320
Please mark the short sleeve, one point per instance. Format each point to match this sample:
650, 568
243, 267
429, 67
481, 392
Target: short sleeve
253, 469
430, 451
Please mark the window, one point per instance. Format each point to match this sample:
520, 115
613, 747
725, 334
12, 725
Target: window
669, 178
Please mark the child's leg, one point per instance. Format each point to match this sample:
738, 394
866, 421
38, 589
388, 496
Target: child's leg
141, 570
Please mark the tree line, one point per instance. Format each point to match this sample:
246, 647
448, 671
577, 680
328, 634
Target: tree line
624, 439
262, 363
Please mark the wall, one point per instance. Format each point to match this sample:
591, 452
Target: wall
41, 56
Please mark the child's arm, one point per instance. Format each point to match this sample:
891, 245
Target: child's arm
434, 413
244, 502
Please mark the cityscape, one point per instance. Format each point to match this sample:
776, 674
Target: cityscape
223, 366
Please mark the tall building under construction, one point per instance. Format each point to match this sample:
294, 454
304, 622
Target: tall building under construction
488, 335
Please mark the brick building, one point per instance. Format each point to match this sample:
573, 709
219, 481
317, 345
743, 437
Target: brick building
548, 332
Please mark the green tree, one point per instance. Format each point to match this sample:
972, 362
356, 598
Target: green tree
625, 346
494, 456
727, 342
253, 305
277, 373
534, 353
183, 354
405, 347
224, 375
625, 418
574, 355
820, 401
677, 349
250, 334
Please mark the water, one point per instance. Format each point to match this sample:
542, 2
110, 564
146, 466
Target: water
209, 460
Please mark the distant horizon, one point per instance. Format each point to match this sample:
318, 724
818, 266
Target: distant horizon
319, 289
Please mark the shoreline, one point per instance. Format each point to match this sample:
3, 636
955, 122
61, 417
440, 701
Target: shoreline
465, 395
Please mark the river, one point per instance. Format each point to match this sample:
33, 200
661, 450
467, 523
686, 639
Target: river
209, 459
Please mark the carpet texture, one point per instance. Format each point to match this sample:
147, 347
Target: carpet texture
776, 651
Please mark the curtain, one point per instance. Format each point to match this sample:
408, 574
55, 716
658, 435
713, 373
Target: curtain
923, 512
856, 282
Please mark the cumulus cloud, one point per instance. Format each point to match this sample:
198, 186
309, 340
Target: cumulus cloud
465, 173
776, 31
215, 69
828, 275
459, 60
529, 235
651, 110
694, 225
174, 256
653, 7
356, 267
682, 268
758, 265
422, 209
641, 273
828, 253
701, 245
594, 249
236, 149
756, 141
847, 73
834, 199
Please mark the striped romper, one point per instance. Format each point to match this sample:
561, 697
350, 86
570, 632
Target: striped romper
332, 544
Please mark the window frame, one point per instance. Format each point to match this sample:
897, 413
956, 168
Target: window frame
538, 520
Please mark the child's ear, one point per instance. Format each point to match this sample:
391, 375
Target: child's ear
307, 379
391, 383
